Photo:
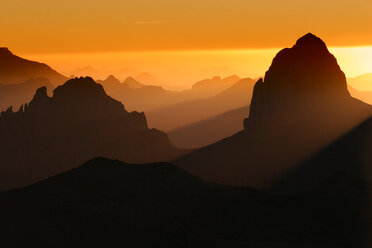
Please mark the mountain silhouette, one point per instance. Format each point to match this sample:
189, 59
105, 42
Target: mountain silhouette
148, 78
191, 112
14, 95
106, 203
362, 82
147, 97
209, 131
133, 83
139, 97
54, 134
365, 96
211, 87
16, 70
99, 74
300, 106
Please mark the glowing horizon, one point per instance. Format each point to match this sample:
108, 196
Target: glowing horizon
195, 65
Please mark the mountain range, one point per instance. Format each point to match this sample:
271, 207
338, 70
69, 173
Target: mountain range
300, 107
15, 95
209, 131
190, 112
362, 82
53, 134
296, 174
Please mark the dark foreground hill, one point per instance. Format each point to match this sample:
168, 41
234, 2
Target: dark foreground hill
106, 203
54, 134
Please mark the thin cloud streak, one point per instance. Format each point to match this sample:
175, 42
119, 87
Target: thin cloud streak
150, 22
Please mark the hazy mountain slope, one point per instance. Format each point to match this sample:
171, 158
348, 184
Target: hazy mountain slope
187, 113
211, 87
137, 96
362, 82
365, 96
100, 74
79, 122
16, 70
14, 95
209, 131
350, 154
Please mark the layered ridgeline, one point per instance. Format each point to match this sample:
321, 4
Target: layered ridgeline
146, 97
300, 106
188, 114
53, 134
104, 203
16, 70
17, 94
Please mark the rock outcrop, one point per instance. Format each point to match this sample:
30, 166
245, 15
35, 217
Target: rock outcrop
301, 106
16, 70
53, 134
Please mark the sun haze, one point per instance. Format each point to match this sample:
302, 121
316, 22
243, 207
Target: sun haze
186, 40
142, 25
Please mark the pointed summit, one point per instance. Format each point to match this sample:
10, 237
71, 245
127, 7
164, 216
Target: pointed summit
310, 41
111, 78
133, 83
40, 93
304, 77
5, 51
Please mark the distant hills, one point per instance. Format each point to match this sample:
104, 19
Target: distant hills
300, 106
207, 98
365, 96
105, 203
141, 96
170, 111
16, 70
97, 74
362, 82
209, 131
211, 87
54, 134
16, 95
187, 113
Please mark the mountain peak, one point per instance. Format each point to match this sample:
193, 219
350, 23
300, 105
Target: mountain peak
310, 42
5, 51
301, 77
111, 77
40, 98
83, 86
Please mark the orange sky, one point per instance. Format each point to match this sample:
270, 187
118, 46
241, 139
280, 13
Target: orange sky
45, 26
183, 40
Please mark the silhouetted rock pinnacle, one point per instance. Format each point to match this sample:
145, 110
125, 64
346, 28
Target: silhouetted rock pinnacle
17, 94
300, 106
4, 51
301, 78
79, 122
